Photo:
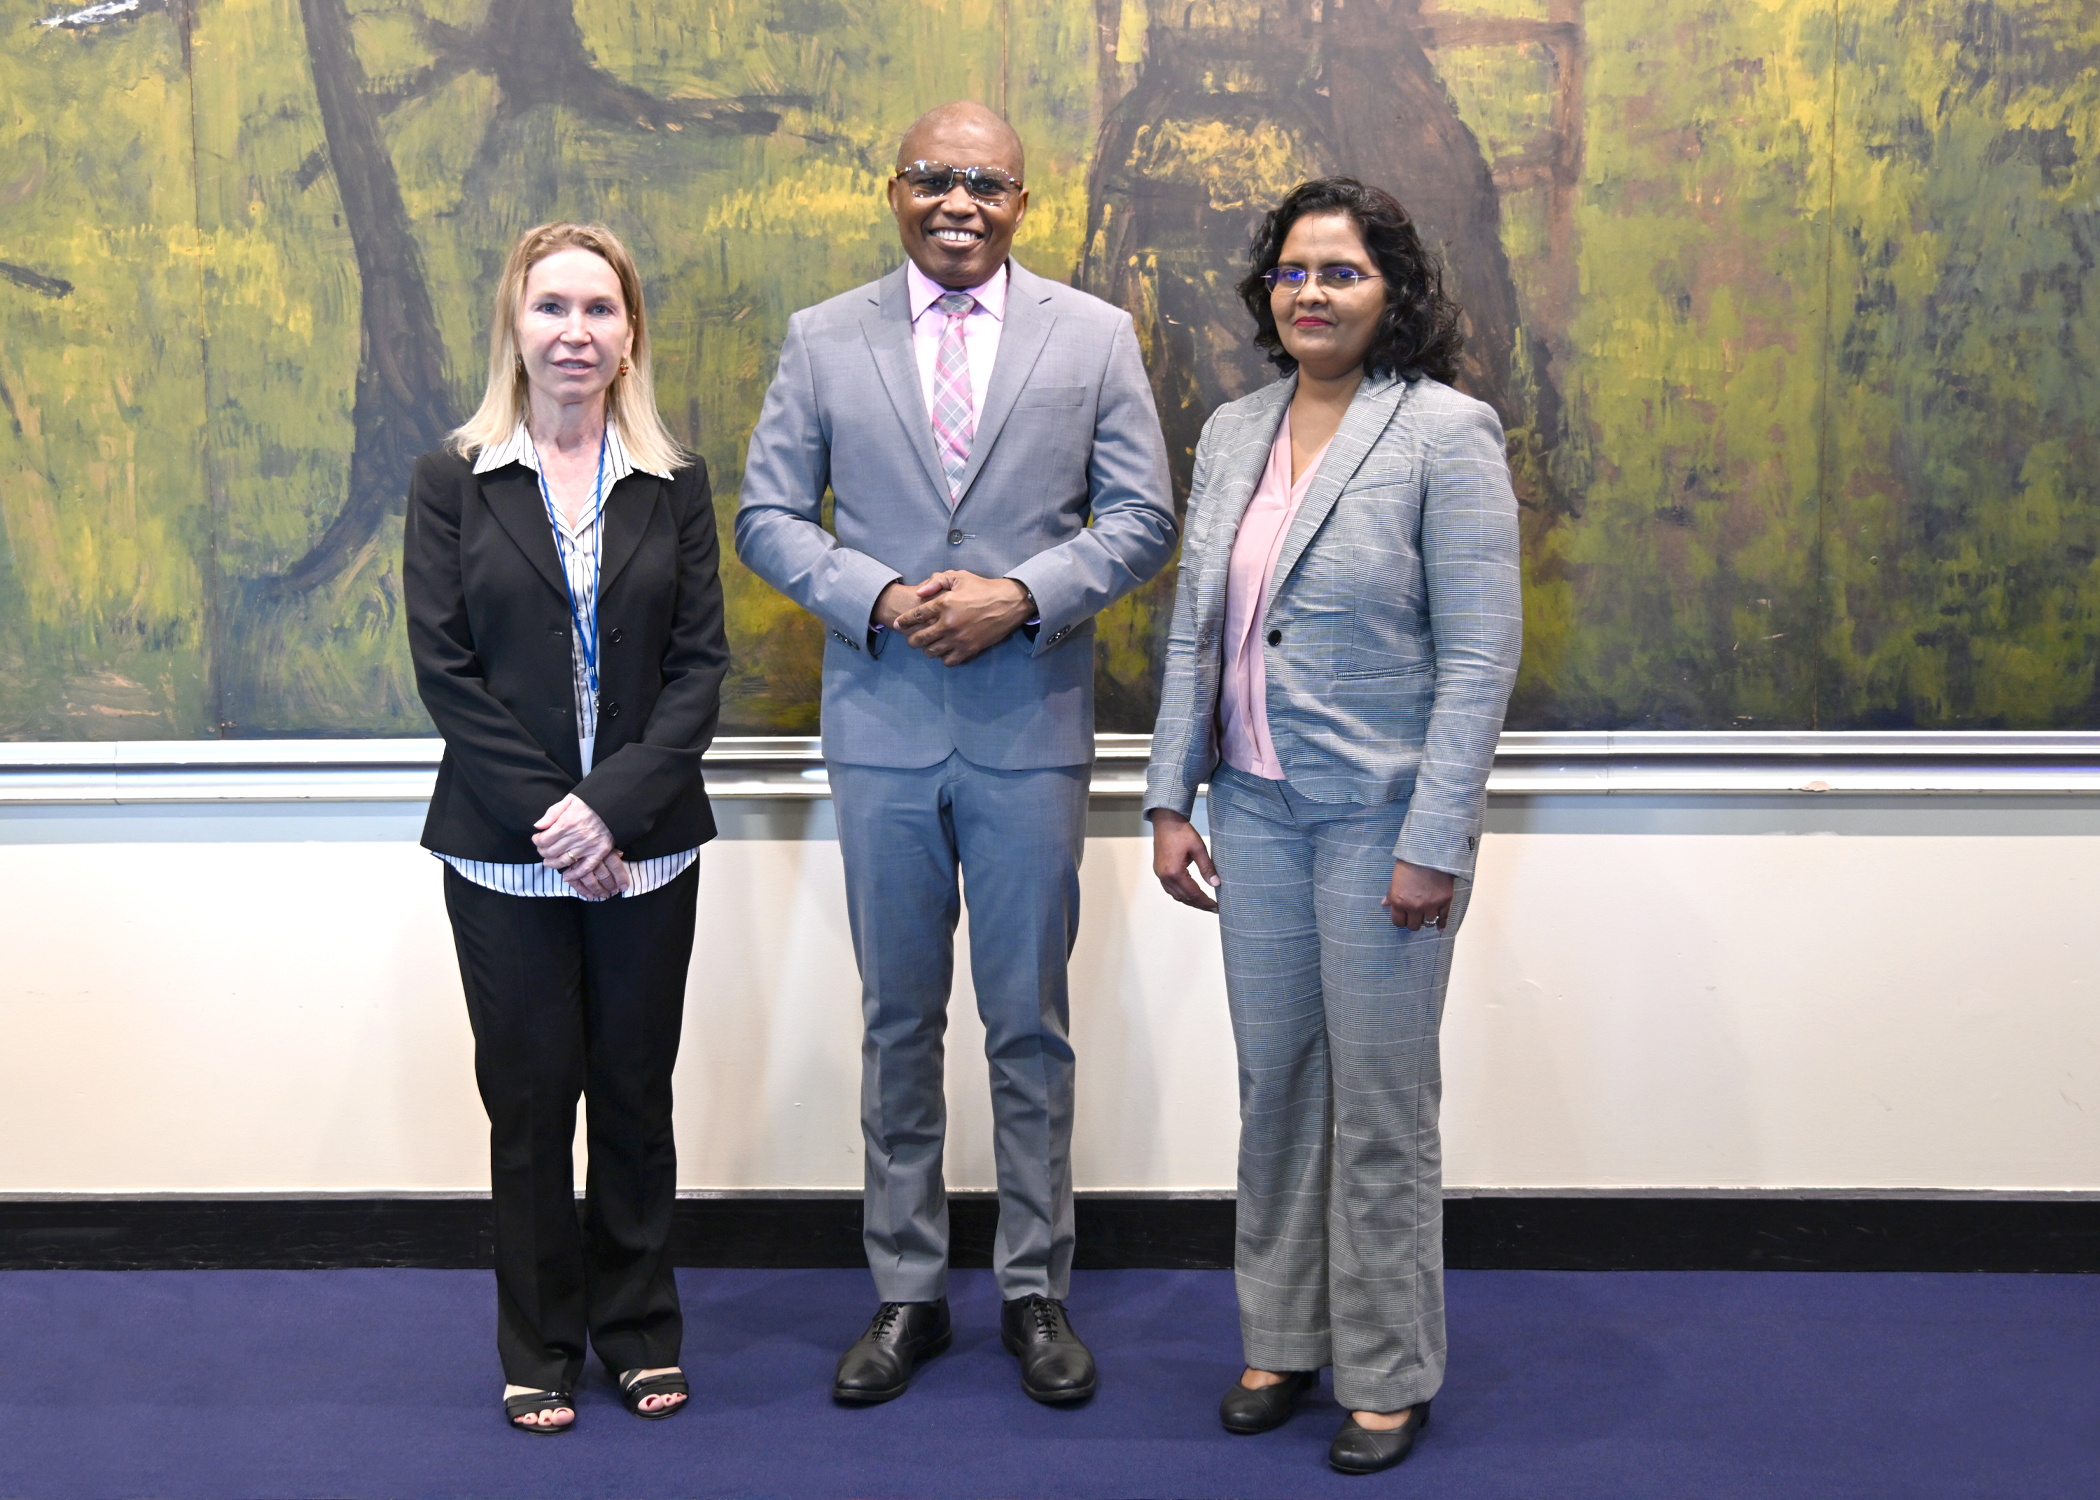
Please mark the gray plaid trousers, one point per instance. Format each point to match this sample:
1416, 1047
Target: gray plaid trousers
1335, 1014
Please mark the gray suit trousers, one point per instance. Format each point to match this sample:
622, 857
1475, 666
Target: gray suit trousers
1015, 838
1335, 1012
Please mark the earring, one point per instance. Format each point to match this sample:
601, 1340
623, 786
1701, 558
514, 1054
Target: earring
623, 366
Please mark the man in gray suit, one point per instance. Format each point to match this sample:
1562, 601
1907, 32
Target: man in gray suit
999, 478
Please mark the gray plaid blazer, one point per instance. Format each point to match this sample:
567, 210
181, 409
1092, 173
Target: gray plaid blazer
1394, 621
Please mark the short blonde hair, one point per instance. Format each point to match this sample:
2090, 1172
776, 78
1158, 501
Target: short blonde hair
630, 403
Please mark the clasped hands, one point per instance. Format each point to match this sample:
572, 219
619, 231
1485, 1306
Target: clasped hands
1416, 897
954, 615
574, 841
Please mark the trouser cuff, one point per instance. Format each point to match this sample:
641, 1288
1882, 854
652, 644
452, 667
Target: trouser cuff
1352, 1392
1307, 1352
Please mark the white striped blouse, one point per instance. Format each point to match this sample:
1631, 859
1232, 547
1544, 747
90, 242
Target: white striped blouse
578, 546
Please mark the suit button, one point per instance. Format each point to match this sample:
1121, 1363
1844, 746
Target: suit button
610, 711
955, 538
617, 636
1276, 638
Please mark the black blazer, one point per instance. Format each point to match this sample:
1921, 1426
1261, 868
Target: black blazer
488, 629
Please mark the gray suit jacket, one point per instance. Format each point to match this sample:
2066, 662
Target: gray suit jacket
1395, 609
1066, 491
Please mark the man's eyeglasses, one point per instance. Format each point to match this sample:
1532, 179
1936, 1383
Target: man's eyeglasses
1334, 278
936, 179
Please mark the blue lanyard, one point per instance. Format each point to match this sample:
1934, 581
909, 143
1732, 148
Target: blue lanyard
586, 624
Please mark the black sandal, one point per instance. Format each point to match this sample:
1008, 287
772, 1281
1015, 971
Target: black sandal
634, 1391
531, 1404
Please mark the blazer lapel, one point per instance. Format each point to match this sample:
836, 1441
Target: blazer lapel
1254, 433
513, 495
1022, 335
627, 511
887, 325
1369, 412
1234, 491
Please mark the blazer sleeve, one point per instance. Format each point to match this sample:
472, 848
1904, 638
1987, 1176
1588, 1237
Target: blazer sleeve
780, 535
632, 788
1175, 734
506, 769
1130, 498
1471, 569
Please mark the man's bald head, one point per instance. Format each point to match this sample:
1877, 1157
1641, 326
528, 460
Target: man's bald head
979, 134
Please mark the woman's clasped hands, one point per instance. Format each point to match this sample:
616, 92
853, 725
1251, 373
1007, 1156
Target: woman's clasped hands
575, 841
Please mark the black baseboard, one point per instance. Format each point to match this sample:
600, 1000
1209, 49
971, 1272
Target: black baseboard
1544, 1234
1771, 1234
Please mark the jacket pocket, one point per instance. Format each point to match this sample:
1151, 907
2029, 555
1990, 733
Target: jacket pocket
1051, 395
1424, 667
1384, 474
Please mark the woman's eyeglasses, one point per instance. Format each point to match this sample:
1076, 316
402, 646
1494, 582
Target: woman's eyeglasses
936, 179
1334, 278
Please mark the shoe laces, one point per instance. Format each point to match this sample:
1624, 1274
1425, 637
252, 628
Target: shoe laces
886, 1317
1044, 1311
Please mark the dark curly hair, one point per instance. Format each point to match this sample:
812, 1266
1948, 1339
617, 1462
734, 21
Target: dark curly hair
1420, 332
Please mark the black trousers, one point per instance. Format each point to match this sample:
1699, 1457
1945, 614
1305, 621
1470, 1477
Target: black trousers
572, 998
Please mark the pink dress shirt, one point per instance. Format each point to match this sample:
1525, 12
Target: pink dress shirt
1243, 714
980, 331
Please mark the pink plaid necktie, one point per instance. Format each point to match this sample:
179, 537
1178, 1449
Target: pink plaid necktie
954, 420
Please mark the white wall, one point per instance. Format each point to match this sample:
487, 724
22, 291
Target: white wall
1657, 992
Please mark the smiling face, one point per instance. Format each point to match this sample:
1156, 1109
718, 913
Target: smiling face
958, 241
1327, 330
573, 327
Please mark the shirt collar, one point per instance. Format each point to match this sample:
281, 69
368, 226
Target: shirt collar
518, 449
925, 291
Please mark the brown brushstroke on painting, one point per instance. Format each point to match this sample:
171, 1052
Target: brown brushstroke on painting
1395, 125
535, 52
35, 281
403, 406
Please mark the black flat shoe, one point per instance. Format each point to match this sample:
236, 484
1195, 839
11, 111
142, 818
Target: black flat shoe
635, 1390
1248, 1411
531, 1404
1056, 1368
1359, 1450
902, 1336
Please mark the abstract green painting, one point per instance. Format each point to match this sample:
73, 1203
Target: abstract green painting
1783, 303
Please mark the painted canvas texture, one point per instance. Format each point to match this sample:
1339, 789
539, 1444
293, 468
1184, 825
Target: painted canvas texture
1783, 304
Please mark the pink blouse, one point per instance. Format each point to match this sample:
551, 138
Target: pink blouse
1243, 714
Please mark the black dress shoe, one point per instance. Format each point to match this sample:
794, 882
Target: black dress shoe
1055, 1367
1359, 1450
1243, 1410
879, 1366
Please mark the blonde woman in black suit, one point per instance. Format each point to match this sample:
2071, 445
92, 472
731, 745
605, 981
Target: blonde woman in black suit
565, 619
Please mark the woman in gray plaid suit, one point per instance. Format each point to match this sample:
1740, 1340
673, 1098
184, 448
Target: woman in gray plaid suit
1345, 636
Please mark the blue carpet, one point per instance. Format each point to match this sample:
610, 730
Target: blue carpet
1693, 1386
